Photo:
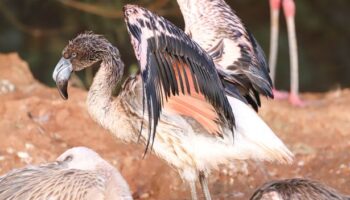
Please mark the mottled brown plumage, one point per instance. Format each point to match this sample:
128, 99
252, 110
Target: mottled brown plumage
296, 189
79, 174
239, 58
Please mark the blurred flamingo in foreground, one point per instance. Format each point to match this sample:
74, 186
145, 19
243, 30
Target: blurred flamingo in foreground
289, 13
79, 174
296, 189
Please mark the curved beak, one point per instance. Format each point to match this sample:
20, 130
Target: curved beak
61, 75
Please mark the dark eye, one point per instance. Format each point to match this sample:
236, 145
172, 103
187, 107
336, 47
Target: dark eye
74, 55
68, 158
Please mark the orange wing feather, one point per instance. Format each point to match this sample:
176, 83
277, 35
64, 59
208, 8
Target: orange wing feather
193, 104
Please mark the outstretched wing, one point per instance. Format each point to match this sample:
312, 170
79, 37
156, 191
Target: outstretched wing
51, 182
247, 69
172, 65
234, 49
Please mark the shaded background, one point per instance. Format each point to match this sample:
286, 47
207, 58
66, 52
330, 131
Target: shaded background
39, 29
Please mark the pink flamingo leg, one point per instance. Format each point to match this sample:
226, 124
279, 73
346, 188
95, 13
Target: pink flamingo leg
275, 6
275, 11
289, 12
279, 95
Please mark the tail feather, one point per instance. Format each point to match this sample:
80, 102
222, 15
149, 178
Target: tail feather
254, 139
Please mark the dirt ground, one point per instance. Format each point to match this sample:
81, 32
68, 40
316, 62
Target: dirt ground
36, 125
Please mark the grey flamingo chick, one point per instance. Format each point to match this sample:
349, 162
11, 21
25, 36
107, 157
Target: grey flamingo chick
176, 106
238, 56
296, 189
79, 174
289, 13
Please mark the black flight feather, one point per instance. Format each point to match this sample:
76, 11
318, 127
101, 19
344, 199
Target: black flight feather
169, 52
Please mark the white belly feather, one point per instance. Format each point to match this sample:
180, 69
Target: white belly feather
194, 152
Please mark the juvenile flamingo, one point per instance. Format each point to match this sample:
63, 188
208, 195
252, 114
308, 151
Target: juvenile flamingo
296, 189
79, 174
176, 106
214, 25
238, 56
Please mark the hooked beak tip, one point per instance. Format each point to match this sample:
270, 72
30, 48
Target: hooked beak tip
62, 88
61, 75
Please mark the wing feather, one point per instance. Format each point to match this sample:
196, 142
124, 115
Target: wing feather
233, 48
173, 65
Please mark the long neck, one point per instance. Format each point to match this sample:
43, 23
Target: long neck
100, 98
112, 113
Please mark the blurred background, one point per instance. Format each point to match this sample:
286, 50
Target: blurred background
39, 29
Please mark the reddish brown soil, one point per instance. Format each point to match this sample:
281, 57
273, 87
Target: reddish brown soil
36, 126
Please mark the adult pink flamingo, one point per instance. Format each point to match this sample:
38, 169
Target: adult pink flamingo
289, 13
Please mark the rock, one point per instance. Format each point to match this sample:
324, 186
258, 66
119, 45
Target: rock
6, 87
15, 70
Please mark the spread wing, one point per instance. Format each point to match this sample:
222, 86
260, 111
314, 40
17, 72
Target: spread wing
51, 182
173, 65
247, 70
236, 52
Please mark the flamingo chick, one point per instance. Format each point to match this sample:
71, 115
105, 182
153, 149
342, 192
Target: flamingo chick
176, 106
238, 56
289, 13
296, 189
79, 174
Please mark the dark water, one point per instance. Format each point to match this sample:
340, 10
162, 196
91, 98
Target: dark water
39, 29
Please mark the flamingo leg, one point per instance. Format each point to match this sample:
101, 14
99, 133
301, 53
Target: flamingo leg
193, 190
204, 185
275, 6
278, 94
289, 12
275, 12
